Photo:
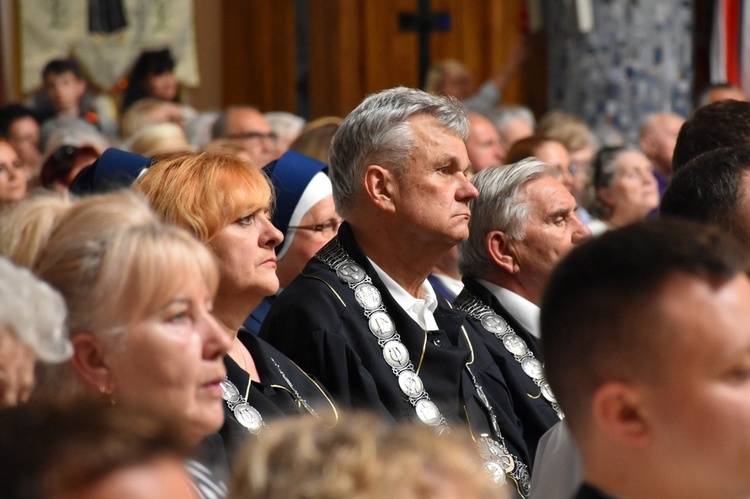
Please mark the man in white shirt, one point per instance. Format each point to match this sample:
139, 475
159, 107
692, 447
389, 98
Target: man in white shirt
362, 317
523, 222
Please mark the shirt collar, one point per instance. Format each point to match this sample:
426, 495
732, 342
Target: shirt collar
420, 309
522, 310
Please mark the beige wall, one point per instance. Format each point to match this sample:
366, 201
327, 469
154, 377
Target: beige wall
209, 95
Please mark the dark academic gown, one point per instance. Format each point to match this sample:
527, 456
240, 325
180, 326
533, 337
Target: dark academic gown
272, 397
535, 413
317, 322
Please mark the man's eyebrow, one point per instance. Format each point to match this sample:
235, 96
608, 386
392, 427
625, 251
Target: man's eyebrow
560, 212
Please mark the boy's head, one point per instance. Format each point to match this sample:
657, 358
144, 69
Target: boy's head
64, 84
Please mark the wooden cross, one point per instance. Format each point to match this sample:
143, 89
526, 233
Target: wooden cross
424, 22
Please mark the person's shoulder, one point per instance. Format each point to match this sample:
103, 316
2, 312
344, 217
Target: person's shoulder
315, 286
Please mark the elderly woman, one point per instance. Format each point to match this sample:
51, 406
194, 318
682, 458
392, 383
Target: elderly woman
139, 295
32, 320
624, 188
225, 202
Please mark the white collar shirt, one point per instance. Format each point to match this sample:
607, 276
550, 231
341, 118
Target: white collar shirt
422, 310
522, 310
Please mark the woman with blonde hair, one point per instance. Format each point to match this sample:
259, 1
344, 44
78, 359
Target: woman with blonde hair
25, 227
225, 202
362, 457
139, 296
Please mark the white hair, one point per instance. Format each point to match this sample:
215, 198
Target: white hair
34, 312
499, 206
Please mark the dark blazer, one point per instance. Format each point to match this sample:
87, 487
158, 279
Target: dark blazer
272, 397
317, 322
535, 413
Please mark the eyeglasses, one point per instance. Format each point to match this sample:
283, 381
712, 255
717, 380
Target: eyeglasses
255, 136
331, 227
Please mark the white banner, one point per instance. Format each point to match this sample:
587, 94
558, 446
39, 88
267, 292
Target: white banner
106, 36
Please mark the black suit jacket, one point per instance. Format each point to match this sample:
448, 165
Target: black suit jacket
535, 413
272, 396
317, 322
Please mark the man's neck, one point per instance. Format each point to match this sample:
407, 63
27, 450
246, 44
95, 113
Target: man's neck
406, 263
517, 284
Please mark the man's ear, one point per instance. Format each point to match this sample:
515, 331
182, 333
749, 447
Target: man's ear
90, 361
501, 252
618, 409
380, 186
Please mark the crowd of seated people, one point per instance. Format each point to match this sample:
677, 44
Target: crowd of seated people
424, 298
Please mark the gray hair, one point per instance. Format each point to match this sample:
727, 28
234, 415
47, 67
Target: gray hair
34, 312
378, 131
604, 168
499, 206
285, 124
505, 114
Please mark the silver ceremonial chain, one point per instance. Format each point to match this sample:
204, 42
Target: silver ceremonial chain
498, 461
513, 343
247, 415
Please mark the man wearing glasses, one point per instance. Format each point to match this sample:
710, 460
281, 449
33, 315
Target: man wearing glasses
248, 127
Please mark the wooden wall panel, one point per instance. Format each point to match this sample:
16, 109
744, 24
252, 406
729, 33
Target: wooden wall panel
356, 48
335, 82
259, 54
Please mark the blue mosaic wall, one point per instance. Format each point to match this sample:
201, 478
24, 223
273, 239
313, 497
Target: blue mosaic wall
636, 60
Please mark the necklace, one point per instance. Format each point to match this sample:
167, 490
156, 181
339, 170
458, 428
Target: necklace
498, 461
513, 343
247, 415
383, 328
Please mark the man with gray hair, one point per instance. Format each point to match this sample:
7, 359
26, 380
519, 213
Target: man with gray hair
513, 123
523, 222
362, 317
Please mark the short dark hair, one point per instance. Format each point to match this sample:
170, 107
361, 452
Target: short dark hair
10, 114
724, 123
150, 62
60, 66
708, 189
599, 317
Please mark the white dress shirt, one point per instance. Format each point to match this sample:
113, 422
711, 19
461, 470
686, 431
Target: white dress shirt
420, 309
522, 310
